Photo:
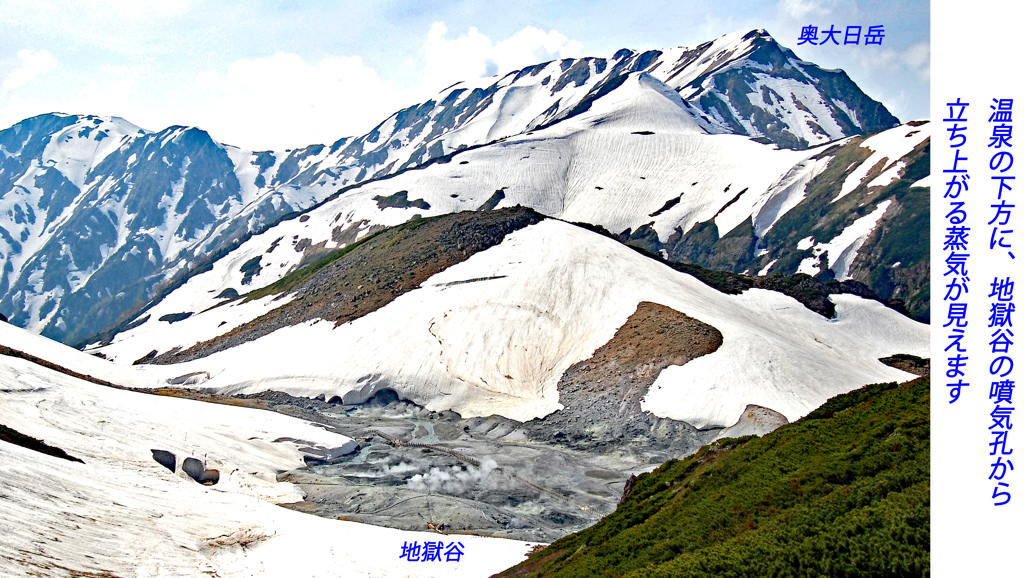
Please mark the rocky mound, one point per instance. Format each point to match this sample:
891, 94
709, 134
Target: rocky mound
602, 394
365, 276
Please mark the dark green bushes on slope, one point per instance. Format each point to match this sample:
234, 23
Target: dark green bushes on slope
841, 492
812, 292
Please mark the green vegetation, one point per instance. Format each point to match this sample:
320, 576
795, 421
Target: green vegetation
250, 269
909, 363
893, 262
810, 291
842, 492
297, 277
904, 357
400, 200
175, 317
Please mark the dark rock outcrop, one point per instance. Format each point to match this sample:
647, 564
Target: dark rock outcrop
361, 278
166, 459
198, 472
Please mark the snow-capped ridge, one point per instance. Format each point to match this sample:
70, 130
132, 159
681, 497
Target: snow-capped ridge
107, 189
543, 299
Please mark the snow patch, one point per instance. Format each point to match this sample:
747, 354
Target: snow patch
764, 271
809, 266
842, 250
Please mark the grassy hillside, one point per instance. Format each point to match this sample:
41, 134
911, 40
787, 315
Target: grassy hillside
842, 492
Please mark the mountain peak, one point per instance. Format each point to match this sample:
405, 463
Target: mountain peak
743, 83
757, 33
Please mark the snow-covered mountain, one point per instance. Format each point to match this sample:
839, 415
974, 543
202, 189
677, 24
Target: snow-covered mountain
519, 250
484, 312
639, 165
97, 216
96, 212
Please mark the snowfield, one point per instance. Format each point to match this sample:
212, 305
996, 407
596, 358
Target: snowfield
544, 299
619, 165
638, 157
639, 143
122, 513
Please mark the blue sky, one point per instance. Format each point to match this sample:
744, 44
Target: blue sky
285, 74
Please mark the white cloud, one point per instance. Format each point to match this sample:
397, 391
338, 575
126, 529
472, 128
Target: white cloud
280, 101
793, 15
916, 58
110, 91
31, 65
474, 55
801, 8
264, 102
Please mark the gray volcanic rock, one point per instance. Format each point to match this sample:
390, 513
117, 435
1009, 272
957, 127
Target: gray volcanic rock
602, 394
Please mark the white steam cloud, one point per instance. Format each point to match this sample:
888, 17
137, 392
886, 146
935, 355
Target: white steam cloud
457, 480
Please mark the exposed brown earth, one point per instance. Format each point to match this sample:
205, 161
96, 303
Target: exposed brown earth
602, 394
10, 352
654, 337
206, 397
909, 363
17, 438
370, 275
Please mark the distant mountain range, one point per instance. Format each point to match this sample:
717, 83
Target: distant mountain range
537, 287
699, 153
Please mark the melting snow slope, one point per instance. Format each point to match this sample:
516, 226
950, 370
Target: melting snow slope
617, 165
546, 298
841, 251
123, 514
886, 148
